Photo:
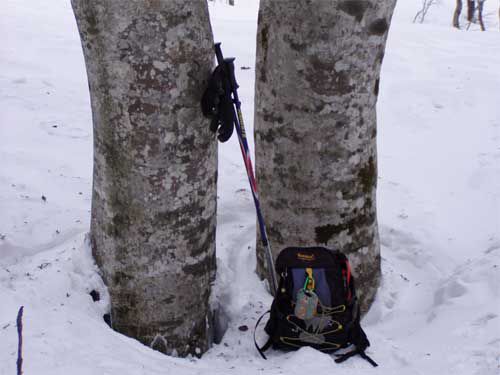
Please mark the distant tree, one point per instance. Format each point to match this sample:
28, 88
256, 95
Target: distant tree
471, 9
480, 6
456, 14
317, 82
154, 185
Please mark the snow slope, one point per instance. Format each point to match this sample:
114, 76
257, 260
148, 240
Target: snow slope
439, 206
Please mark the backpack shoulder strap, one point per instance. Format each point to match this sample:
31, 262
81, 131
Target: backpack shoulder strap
343, 357
359, 340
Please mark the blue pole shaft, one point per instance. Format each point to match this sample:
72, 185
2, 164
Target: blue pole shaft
245, 151
240, 130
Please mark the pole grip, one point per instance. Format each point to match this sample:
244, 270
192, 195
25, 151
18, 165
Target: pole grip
218, 54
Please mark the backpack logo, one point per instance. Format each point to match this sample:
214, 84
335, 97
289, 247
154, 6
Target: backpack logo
306, 257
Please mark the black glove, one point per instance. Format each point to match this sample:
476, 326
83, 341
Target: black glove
217, 105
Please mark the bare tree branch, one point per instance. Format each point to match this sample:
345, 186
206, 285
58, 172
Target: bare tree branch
426, 4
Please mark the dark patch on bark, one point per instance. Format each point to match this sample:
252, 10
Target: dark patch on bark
378, 27
121, 220
275, 233
143, 138
315, 108
116, 165
189, 218
264, 39
326, 232
91, 18
279, 159
380, 56
188, 144
325, 80
289, 133
148, 77
140, 107
342, 83
155, 180
361, 219
173, 218
197, 248
199, 268
296, 46
355, 8
126, 310
293, 170
120, 278
367, 176
267, 136
278, 204
367, 207
376, 88
273, 117
159, 345
125, 214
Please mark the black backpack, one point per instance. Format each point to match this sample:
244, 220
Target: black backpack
315, 304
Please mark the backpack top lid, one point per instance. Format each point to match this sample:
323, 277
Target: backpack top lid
306, 257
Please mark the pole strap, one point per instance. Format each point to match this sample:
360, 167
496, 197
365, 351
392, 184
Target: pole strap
267, 345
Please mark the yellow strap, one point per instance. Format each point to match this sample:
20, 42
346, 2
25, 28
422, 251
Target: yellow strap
310, 280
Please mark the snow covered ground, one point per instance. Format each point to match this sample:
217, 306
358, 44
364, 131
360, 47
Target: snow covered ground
438, 309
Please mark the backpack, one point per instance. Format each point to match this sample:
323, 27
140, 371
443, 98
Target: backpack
315, 304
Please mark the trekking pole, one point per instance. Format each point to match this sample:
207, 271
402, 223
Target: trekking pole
228, 66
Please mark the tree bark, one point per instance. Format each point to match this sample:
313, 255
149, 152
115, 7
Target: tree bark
154, 186
456, 14
317, 81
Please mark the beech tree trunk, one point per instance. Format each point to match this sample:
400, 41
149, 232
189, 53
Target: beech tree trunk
317, 81
154, 188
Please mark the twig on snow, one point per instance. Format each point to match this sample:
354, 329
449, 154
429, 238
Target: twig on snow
20, 343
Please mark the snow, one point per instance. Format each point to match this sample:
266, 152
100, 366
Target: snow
438, 307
